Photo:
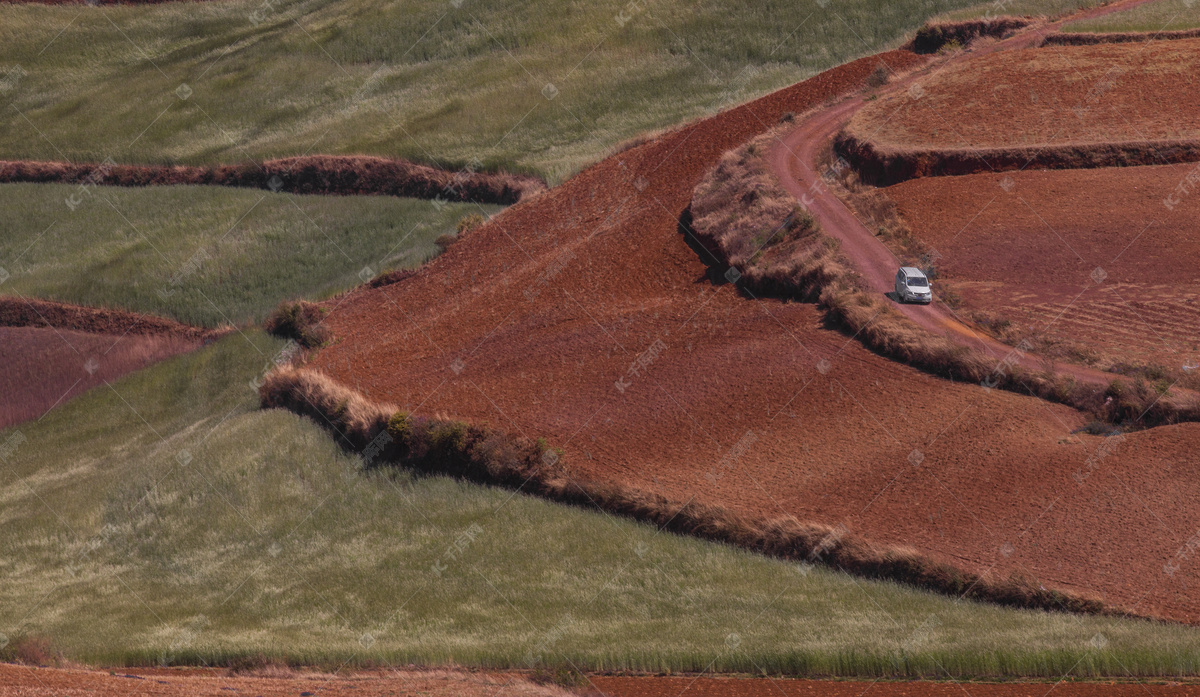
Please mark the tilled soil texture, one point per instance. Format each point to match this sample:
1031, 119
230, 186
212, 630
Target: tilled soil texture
310, 174
584, 317
1056, 107
1096, 265
685, 686
46, 366
24, 681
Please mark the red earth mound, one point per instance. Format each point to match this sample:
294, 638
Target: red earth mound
1024, 248
583, 316
1074, 106
1092, 38
31, 312
708, 686
45, 366
313, 174
28, 681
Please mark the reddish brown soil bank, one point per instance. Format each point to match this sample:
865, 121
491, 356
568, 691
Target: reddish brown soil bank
30, 312
1090, 39
27, 681
584, 317
317, 174
685, 686
882, 166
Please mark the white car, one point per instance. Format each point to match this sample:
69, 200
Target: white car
913, 286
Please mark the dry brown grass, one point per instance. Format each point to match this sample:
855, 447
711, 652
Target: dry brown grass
932, 37
300, 321
481, 454
743, 217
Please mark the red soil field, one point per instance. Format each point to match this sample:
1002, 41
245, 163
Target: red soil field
1025, 252
46, 366
584, 317
25, 681
1060, 106
687, 686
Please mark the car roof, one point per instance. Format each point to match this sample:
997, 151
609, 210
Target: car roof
911, 271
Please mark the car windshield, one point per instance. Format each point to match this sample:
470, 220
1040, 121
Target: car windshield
919, 282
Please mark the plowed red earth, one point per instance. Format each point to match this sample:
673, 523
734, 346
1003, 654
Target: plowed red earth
45, 366
1057, 95
22, 681
1026, 252
768, 687
582, 316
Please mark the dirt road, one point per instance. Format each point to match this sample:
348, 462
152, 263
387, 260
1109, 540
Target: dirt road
795, 163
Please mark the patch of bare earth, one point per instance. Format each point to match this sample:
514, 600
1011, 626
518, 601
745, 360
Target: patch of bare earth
1099, 266
27, 681
1061, 95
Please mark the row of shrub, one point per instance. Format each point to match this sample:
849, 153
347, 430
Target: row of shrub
309, 174
389, 437
745, 218
934, 36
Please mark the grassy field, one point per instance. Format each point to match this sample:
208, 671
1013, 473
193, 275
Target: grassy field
1161, 15
167, 519
1020, 8
207, 255
423, 80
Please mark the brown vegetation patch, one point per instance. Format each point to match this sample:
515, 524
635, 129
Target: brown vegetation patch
310, 174
882, 166
31, 312
936, 35
1122, 37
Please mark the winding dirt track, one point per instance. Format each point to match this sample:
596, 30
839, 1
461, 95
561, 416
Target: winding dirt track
794, 162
